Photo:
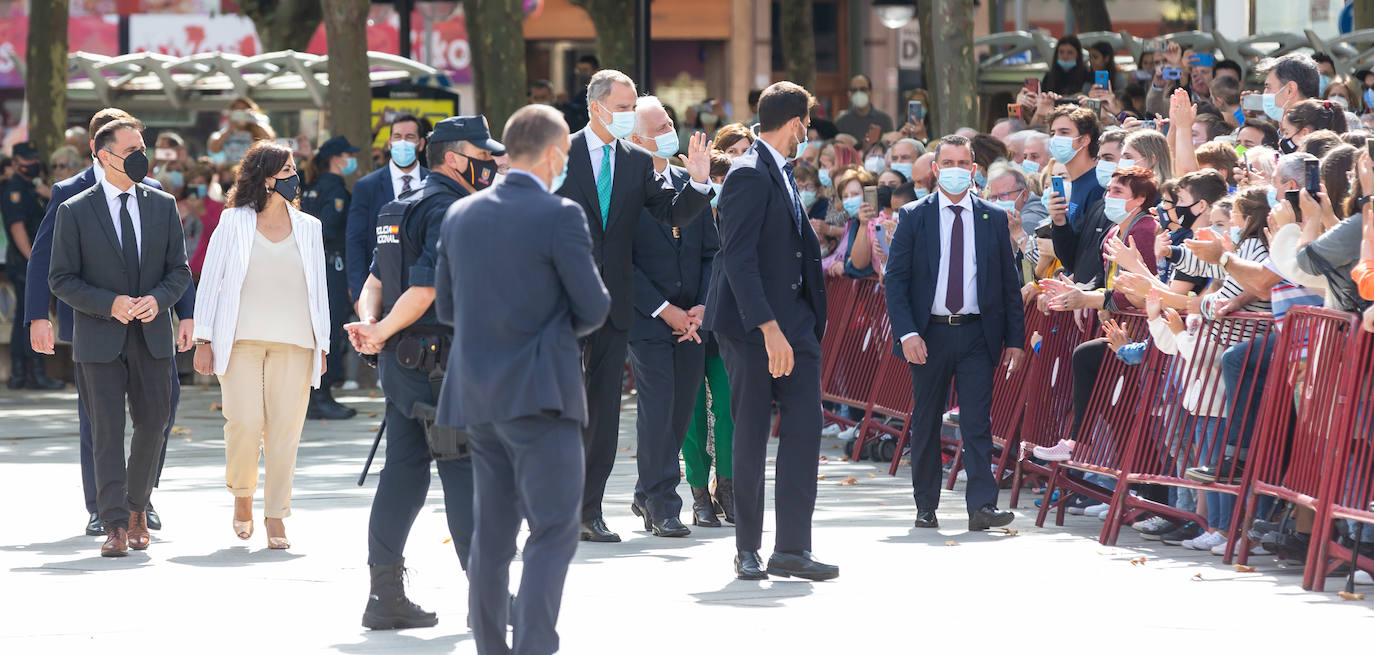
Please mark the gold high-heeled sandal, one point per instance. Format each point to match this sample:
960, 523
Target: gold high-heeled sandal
278, 543
243, 529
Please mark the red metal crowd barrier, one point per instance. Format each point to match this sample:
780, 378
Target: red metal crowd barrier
859, 347
1048, 400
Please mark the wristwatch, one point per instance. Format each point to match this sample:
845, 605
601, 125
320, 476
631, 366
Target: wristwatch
1225, 259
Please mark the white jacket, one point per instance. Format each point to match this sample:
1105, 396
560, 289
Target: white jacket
226, 264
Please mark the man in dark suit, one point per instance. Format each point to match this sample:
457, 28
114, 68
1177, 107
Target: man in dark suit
766, 309
672, 272
518, 307
119, 259
955, 303
402, 174
38, 295
615, 182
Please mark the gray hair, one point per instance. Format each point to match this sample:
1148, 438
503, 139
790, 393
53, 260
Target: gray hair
920, 147
531, 129
1293, 67
641, 103
1002, 168
1032, 136
1291, 168
602, 81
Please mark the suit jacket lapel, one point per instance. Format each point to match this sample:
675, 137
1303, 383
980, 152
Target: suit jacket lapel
620, 181
678, 181
583, 179
934, 247
153, 237
102, 210
982, 243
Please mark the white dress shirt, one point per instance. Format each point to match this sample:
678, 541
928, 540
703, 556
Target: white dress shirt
397, 183
98, 170
594, 146
937, 306
782, 161
112, 200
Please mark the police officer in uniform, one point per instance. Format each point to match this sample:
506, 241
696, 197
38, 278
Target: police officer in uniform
397, 323
327, 199
22, 211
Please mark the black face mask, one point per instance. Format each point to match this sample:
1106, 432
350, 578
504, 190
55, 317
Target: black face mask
1287, 147
481, 172
1185, 214
135, 165
287, 187
30, 170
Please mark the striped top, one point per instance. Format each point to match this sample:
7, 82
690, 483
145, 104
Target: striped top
1251, 249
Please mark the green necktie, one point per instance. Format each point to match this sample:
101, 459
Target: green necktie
603, 185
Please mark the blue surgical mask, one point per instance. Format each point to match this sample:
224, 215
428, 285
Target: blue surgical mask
1271, 108
1104, 172
1114, 209
1369, 98
202, 189
665, 145
219, 157
1061, 148
922, 192
1029, 167
851, 205
557, 181
622, 123
1045, 194
1273, 195
955, 180
1008, 206
902, 167
177, 178
875, 164
403, 153
1125, 162
808, 198
825, 178
1322, 81
980, 179
1239, 116
1067, 64
715, 200
1235, 234
350, 166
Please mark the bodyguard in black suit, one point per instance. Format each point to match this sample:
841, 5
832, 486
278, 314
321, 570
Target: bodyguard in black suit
766, 308
121, 282
672, 273
955, 303
614, 185
518, 306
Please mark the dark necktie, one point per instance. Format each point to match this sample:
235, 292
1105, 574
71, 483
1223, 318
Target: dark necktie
405, 185
792, 196
954, 286
128, 243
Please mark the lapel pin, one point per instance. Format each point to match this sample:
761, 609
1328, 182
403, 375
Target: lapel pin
985, 216
676, 233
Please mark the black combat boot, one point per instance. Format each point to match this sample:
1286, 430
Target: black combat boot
387, 605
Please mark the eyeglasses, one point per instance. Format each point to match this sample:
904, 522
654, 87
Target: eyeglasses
1010, 195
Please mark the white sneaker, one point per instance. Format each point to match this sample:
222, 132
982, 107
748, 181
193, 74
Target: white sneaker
1060, 452
1095, 510
1102, 516
1361, 577
1259, 549
1205, 541
830, 430
848, 433
1219, 548
1152, 523
962, 476
349, 385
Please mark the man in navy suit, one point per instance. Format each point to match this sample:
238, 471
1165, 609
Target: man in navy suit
402, 174
766, 308
615, 183
954, 299
38, 295
518, 306
672, 272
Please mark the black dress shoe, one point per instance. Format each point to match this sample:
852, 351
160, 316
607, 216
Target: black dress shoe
670, 527
643, 513
39, 381
925, 518
748, 566
95, 527
988, 516
800, 565
323, 406
596, 530
154, 521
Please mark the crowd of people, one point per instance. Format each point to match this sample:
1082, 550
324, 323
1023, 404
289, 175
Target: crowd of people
698, 253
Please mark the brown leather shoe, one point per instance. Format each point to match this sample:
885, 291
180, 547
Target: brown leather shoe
138, 531
116, 543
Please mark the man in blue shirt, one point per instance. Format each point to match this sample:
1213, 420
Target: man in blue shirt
1073, 143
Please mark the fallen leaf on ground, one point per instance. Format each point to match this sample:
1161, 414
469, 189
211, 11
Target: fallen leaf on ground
448, 541
372, 395
951, 543
1345, 595
181, 430
824, 458
1198, 577
845, 458
871, 475
1245, 569
772, 461
905, 462
216, 407
835, 446
820, 477
1139, 561
634, 456
625, 448
372, 415
849, 481
1008, 531
186, 439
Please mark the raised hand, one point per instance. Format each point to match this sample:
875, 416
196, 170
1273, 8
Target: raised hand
698, 159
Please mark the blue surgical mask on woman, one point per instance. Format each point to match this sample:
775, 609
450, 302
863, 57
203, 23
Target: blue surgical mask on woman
1273, 195
875, 164
403, 153
1114, 209
1322, 82
851, 205
980, 179
1067, 64
808, 198
350, 166
1235, 234
1368, 98
955, 180
715, 199
201, 189
177, 178
902, 167
1105, 169
825, 178
1061, 148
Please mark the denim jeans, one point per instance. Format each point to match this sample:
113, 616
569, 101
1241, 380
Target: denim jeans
1250, 359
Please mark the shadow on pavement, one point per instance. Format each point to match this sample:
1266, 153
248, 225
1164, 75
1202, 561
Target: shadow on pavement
96, 563
237, 556
756, 594
69, 546
375, 641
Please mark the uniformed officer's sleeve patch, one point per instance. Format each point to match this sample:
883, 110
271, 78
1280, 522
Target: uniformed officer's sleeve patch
14, 197
338, 204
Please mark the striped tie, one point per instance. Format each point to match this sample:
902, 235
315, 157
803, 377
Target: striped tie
603, 185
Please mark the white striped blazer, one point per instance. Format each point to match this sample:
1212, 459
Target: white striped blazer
226, 264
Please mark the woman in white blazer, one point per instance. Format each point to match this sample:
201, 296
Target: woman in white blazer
262, 326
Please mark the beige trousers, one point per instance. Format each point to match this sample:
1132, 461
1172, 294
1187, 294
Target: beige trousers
266, 391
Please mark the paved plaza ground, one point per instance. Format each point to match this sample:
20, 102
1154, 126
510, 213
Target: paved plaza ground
198, 589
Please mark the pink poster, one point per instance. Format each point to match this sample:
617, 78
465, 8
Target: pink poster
182, 35
94, 34
448, 42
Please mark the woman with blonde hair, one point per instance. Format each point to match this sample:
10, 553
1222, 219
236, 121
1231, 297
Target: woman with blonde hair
262, 326
1150, 149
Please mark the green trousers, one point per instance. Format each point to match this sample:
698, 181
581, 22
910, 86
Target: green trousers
694, 453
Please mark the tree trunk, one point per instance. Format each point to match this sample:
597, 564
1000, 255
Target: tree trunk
615, 32
953, 88
1364, 14
350, 95
926, 21
798, 42
497, 41
285, 24
45, 83
1091, 16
